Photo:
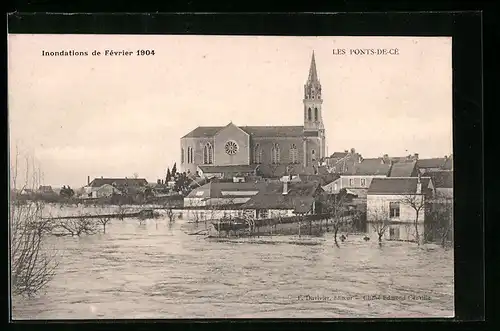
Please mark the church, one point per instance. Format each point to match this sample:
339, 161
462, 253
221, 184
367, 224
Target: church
268, 151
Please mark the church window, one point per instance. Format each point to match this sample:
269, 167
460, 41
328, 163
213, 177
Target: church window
208, 154
190, 155
313, 155
182, 155
315, 114
309, 114
231, 147
257, 154
275, 154
294, 154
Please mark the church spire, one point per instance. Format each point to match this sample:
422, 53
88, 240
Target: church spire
313, 75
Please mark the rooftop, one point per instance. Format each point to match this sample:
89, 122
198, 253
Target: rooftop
403, 169
381, 186
373, 167
253, 131
441, 179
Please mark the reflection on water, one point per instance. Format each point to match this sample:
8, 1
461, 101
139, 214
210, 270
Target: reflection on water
156, 270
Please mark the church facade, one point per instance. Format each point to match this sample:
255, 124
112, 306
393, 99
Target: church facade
273, 150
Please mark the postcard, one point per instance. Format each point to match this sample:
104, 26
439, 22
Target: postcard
210, 176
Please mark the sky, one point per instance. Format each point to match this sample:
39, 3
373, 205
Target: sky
116, 116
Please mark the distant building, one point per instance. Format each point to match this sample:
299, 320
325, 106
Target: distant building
358, 178
104, 191
391, 198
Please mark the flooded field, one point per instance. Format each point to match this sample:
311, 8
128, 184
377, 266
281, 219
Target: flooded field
154, 269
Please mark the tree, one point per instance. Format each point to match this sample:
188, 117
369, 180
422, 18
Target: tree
416, 202
32, 264
380, 222
171, 215
174, 170
334, 206
182, 183
78, 226
168, 178
104, 221
440, 219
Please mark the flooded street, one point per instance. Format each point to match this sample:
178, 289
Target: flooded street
156, 270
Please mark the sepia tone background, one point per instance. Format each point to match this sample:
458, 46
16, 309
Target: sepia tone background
116, 116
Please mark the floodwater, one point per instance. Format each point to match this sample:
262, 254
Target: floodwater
156, 270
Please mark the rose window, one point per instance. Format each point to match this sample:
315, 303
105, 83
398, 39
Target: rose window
231, 148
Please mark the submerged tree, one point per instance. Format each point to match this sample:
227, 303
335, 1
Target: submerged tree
379, 221
416, 203
334, 206
32, 264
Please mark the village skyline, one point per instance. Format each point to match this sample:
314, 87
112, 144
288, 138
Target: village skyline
116, 118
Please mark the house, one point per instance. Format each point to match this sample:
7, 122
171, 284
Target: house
395, 199
443, 183
284, 199
118, 182
404, 169
104, 191
341, 162
223, 193
357, 179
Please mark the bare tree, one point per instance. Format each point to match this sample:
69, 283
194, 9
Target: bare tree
32, 264
415, 202
78, 226
379, 221
104, 221
440, 212
171, 215
334, 206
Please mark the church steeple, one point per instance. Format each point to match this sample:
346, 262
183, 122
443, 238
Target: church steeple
313, 119
313, 74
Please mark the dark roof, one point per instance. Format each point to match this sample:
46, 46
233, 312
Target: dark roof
431, 163
300, 197
253, 131
372, 167
396, 185
98, 182
403, 169
441, 179
228, 168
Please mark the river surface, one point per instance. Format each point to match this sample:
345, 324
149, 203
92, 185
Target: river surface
156, 270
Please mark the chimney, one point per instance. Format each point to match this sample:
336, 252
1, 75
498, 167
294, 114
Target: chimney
415, 156
158, 181
88, 180
102, 177
353, 150
285, 186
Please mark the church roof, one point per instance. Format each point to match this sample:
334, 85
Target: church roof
253, 131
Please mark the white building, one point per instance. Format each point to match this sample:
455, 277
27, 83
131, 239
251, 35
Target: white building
398, 199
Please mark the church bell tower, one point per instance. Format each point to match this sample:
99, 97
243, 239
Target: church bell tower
313, 101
